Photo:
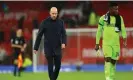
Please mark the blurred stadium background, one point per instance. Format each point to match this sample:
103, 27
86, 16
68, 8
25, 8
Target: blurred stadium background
80, 60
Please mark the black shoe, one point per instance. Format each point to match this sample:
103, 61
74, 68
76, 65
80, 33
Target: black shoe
19, 74
14, 73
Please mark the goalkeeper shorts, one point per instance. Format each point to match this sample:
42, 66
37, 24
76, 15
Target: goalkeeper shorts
111, 51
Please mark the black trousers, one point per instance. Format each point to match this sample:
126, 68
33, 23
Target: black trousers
17, 71
54, 64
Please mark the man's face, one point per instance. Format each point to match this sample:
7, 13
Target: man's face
19, 32
114, 10
53, 14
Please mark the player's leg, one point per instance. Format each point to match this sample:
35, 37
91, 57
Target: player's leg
107, 67
113, 68
57, 63
115, 57
20, 63
50, 62
15, 69
15, 55
22, 69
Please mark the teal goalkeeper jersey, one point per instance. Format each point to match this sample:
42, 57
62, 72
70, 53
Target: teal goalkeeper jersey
110, 37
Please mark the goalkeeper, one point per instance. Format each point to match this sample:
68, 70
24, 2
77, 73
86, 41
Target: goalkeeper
111, 25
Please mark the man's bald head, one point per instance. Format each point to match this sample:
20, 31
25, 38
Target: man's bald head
53, 13
53, 9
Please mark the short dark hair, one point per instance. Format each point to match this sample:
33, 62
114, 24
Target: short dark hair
112, 4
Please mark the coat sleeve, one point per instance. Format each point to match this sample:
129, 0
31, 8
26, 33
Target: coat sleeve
39, 35
63, 34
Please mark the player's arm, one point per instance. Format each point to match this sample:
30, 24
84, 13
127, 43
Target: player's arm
24, 44
39, 36
99, 32
16, 46
13, 45
123, 32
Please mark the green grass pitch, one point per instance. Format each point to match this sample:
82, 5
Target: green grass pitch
68, 76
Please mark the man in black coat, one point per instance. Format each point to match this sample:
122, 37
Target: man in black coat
54, 41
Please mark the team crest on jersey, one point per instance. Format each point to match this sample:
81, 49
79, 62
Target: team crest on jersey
16, 41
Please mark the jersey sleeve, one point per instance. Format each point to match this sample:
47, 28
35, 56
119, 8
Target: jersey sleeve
99, 30
123, 29
12, 40
23, 40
